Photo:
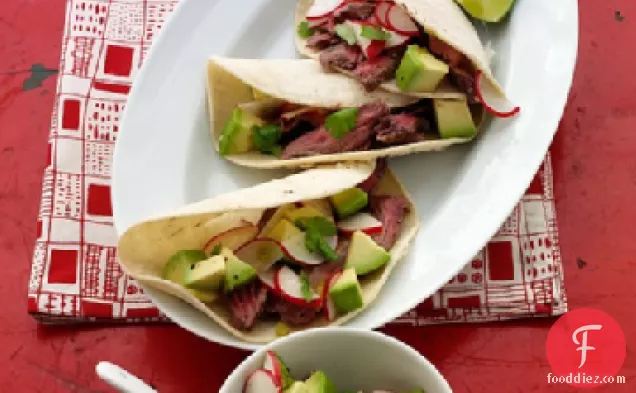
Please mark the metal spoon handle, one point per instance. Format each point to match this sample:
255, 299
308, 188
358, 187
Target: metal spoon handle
121, 379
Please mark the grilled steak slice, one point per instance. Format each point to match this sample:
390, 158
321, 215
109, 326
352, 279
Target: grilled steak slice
292, 314
246, 304
371, 181
441, 49
466, 83
373, 72
358, 10
322, 40
340, 56
390, 211
399, 129
312, 143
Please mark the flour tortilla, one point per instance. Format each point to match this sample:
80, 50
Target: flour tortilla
443, 19
231, 83
145, 248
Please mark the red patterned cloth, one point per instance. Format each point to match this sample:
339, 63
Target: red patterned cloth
75, 276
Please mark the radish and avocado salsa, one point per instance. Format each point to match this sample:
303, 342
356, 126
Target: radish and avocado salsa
275, 377
303, 262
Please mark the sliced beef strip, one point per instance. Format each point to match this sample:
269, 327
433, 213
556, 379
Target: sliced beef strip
322, 40
466, 83
357, 10
373, 72
439, 48
291, 314
372, 180
320, 141
390, 211
341, 56
246, 304
313, 116
399, 129
320, 273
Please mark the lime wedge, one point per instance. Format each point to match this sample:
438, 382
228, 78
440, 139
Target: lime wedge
487, 10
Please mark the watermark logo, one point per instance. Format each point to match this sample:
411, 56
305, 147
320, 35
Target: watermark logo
585, 348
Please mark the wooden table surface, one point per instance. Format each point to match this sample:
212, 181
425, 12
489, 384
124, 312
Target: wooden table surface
595, 185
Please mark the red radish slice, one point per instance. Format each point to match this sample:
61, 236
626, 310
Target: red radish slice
267, 278
380, 13
232, 239
492, 100
261, 381
289, 286
399, 21
371, 48
322, 8
297, 251
396, 39
330, 308
260, 253
364, 222
272, 365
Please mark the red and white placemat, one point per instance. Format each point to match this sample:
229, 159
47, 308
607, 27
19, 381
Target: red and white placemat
75, 276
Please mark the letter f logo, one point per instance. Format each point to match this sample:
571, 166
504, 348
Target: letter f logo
583, 344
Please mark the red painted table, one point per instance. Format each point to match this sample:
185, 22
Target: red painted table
595, 176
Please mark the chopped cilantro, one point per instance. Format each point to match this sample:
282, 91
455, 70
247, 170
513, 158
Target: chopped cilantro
304, 30
266, 138
346, 33
374, 33
305, 287
316, 228
341, 122
321, 224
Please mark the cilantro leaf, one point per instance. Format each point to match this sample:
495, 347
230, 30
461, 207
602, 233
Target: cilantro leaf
312, 239
305, 287
374, 33
304, 30
346, 33
326, 250
321, 225
266, 138
341, 122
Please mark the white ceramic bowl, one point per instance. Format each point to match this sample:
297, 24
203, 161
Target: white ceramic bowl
354, 359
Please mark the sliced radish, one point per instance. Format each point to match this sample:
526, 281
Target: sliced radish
371, 48
261, 381
272, 365
330, 308
380, 13
493, 101
267, 278
399, 21
232, 239
289, 286
260, 253
322, 8
364, 222
296, 250
397, 39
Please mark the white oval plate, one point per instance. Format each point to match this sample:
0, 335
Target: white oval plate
164, 157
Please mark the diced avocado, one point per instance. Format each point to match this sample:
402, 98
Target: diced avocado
206, 275
283, 231
237, 133
415, 391
348, 202
420, 71
179, 264
365, 255
282, 329
204, 296
297, 387
454, 119
321, 205
346, 292
237, 272
305, 211
318, 382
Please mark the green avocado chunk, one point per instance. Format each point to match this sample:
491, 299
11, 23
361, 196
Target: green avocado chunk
350, 201
297, 387
319, 383
420, 71
178, 267
346, 292
454, 119
237, 133
237, 272
207, 274
365, 255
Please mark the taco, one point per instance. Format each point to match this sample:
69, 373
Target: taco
424, 48
308, 250
289, 113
